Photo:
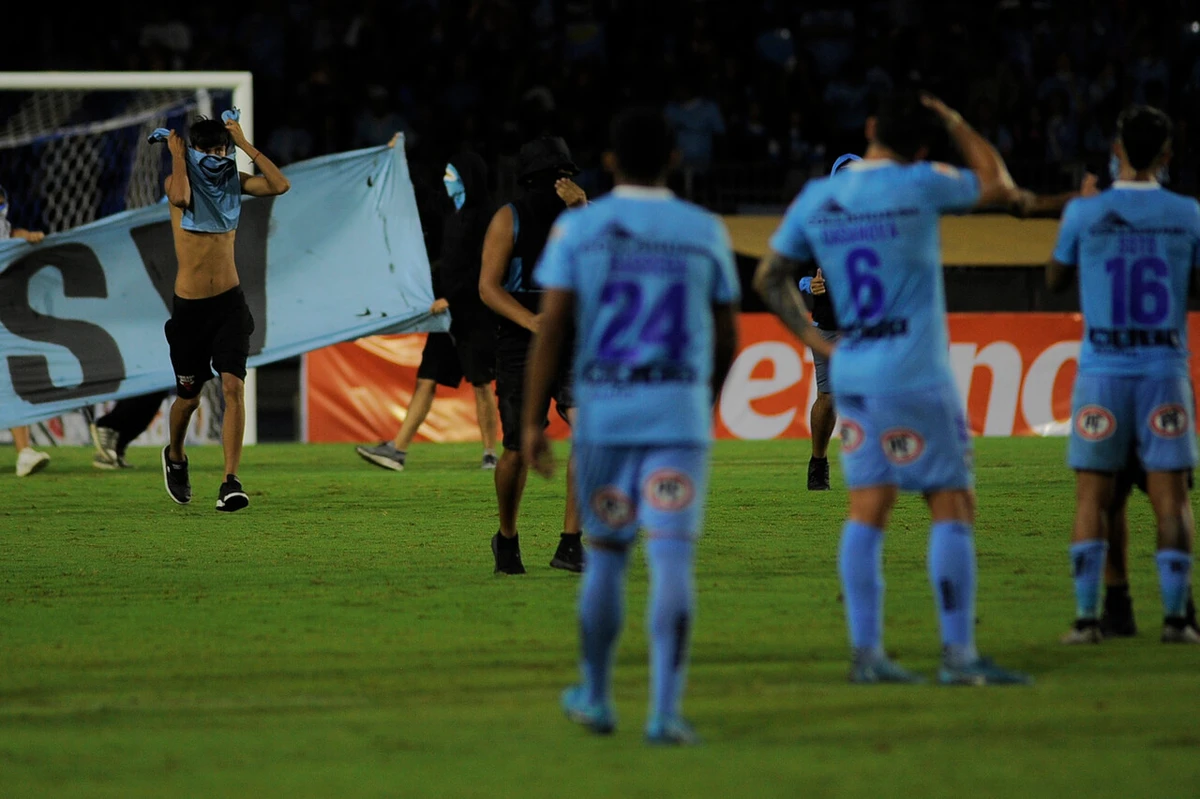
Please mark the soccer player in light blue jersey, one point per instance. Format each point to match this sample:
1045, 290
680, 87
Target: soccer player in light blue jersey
651, 284
1135, 248
874, 231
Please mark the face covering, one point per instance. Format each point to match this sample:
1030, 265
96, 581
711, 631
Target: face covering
455, 187
213, 167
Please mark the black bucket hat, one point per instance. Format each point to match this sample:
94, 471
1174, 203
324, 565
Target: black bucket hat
544, 154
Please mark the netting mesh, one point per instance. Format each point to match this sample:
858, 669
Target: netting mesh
68, 157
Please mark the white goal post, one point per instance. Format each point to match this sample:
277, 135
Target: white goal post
241, 84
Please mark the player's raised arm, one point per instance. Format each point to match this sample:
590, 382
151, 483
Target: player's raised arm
777, 282
996, 185
178, 187
497, 253
271, 183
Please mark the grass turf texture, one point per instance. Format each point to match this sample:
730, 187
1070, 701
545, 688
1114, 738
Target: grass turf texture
345, 636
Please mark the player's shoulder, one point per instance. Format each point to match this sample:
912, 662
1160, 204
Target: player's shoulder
813, 193
690, 213
930, 172
576, 221
1081, 209
1179, 203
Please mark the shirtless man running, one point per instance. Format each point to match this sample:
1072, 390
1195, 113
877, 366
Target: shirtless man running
210, 325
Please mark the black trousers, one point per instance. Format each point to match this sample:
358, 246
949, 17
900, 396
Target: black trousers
130, 417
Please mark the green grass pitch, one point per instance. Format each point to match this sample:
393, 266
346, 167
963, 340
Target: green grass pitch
345, 636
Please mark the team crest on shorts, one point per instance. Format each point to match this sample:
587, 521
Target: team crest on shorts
1095, 423
852, 436
1169, 421
612, 506
669, 490
186, 381
902, 446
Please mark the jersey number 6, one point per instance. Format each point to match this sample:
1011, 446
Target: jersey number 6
866, 289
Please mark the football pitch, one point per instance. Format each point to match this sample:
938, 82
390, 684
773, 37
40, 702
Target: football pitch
345, 636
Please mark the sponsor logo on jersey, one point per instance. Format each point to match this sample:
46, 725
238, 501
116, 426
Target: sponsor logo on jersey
1169, 421
902, 446
612, 506
669, 490
852, 436
1095, 423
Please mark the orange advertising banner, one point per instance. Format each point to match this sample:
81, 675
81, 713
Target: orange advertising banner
1015, 371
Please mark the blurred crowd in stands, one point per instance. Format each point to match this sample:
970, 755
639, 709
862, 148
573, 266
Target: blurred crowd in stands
763, 93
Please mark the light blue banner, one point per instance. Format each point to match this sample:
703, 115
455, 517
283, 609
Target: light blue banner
338, 257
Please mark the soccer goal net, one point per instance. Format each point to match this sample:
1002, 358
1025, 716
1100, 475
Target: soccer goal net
69, 157
73, 150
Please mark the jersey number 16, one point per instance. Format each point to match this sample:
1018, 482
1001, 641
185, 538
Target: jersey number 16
1139, 291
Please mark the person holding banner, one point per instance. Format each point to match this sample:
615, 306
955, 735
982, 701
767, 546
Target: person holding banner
29, 460
468, 350
210, 325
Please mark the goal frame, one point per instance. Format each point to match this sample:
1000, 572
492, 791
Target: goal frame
240, 83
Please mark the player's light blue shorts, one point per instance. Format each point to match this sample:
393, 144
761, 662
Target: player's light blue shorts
918, 440
1109, 414
622, 488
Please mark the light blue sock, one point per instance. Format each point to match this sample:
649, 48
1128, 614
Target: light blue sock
1087, 567
669, 619
952, 576
601, 615
1174, 577
860, 565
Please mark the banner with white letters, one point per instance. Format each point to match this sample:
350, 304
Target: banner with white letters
338, 257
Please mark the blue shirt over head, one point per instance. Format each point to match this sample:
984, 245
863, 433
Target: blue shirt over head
645, 269
874, 231
216, 185
1135, 246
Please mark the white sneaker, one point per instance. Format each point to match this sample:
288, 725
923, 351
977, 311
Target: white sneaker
1179, 635
30, 460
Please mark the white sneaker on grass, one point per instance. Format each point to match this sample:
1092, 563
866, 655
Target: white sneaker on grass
30, 461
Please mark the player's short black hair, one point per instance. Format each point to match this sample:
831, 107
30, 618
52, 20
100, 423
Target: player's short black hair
208, 134
903, 124
643, 142
1143, 132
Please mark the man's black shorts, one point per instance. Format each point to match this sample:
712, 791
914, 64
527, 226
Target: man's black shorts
512, 351
461, 353
213, 333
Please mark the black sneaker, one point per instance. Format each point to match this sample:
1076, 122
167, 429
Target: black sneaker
232, 496
507, 552
175, 475
818, 474
569, 555
1117, 619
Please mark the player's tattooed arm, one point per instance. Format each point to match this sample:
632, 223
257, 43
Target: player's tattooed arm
777, 282
725, 343
546, 354
1058, 276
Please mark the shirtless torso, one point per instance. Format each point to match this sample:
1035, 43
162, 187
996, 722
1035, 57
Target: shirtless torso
206, 266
